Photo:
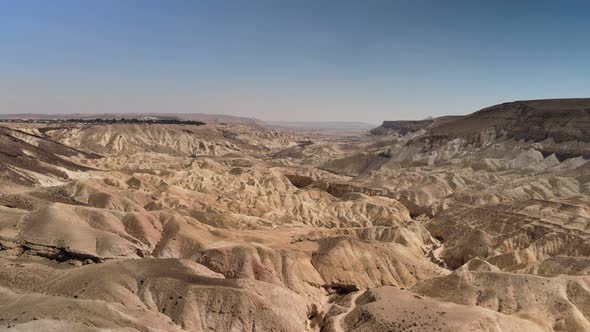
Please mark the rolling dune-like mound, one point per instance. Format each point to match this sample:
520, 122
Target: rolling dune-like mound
467, 223
392, 309
167, 294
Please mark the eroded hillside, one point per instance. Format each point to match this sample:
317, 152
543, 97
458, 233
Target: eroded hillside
470, 223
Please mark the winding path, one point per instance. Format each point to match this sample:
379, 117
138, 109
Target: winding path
337, 325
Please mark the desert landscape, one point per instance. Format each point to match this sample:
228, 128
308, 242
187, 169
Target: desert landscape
457, 223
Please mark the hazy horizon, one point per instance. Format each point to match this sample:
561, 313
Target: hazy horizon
290, 61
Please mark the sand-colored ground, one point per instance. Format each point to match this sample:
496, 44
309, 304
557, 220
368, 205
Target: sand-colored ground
233, 227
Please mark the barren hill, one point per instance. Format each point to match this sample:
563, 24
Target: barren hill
559, 119
465, 223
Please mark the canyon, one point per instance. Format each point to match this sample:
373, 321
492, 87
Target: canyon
457, 223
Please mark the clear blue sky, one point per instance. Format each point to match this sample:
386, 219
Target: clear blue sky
364, 60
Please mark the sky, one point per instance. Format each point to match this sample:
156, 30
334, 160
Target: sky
291, 60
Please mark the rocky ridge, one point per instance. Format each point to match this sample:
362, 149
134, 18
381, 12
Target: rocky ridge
469, 224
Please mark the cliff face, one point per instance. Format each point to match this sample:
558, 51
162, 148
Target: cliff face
404, 127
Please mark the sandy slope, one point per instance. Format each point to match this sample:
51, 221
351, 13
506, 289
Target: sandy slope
241, 228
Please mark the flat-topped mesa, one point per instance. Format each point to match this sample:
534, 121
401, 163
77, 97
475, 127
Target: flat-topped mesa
403, 127
410, 124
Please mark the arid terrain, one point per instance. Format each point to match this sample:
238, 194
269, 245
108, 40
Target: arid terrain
461, 223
